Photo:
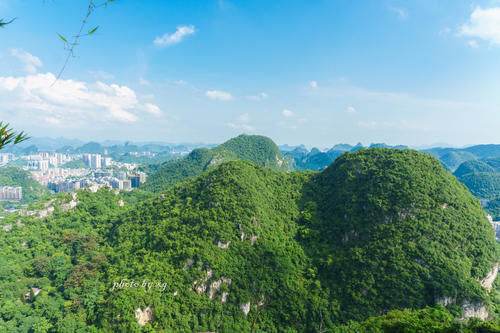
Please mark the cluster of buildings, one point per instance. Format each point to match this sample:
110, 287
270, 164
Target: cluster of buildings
118, 180
6, 158
96, 161
43, 161
8, 193
48, 169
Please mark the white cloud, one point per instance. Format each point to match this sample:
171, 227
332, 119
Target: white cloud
260, 97
176, 37
472, 43
241, 124
445, 31
101, 75
244, 118
314, 84
401, 13
153, 109
29, 61
483, 24
287, 113
219, 95
70, 102
180, 82
351, 109
144, 82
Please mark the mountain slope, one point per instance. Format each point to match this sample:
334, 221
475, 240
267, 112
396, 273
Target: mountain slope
473, 166
257, 149
392, 229
378, 230
244, 247
32, 190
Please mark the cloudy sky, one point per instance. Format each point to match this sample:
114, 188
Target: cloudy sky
317, 72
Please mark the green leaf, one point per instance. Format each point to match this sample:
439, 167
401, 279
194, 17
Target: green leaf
93, 30
64, 39
3, 23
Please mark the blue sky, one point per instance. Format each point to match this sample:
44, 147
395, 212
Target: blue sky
313, 72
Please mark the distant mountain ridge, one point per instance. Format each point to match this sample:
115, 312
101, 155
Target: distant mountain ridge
257, 149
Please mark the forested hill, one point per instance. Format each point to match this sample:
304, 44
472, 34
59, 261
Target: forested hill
245, 247
16, 177
256, 149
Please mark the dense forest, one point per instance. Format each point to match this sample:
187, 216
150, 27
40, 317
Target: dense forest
257, 149
244, 248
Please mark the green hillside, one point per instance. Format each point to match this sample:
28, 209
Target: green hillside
451, 157
75, 164
484, 185
257, 149
32, 190
245, 248
391, 229
473, 166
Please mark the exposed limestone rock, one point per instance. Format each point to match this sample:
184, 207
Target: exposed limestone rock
7, 227
487, 282
253, 239
223, 298
223, 245
242, 237
444, 205
144, 316
445, 301
20, 224
94, 188
48, 203
45, 213
200, 285
35, 291
121, 203
40, 214
245, 308
475, 310
68, 206
215, 286
175, 293
25, 245
278, 160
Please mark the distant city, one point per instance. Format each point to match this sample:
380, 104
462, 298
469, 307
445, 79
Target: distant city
66, 172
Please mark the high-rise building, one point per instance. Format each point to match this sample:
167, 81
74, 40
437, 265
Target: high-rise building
68, 186
135, 181
93, 161
121, 175
8, 193
138, 179
106, 161
127, 186
38, 164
